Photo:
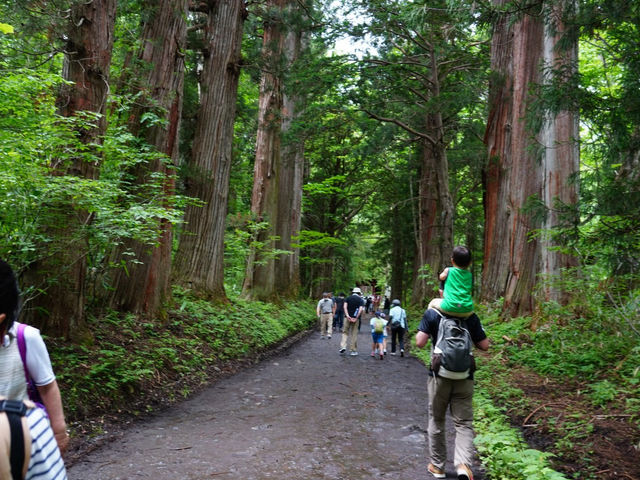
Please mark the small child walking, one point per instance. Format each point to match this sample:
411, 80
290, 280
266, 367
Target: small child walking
378, 327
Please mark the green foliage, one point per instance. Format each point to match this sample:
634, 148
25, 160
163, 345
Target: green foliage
502, 449
35, 143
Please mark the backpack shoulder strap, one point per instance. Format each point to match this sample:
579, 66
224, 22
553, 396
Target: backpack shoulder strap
15, 410
22, 347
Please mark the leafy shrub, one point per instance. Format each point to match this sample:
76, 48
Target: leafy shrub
502, 449
131, 356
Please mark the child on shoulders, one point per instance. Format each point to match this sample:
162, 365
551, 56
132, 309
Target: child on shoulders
458, 286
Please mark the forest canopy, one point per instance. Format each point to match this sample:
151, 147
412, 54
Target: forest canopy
231, 149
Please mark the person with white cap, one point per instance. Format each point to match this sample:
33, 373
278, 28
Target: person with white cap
353, 308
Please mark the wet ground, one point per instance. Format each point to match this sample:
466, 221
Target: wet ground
307, 413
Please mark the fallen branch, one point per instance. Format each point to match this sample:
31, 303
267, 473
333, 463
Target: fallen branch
600, 417
524, 423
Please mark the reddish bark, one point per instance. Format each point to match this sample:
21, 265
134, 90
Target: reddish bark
59, 310
199, 261
260, 277
144, 286
510, 257
513, 257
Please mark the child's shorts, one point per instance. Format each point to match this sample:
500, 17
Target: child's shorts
377, 337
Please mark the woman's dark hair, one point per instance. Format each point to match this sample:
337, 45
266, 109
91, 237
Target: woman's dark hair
462, 256
9, 293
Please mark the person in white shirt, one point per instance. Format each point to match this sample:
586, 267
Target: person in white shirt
12, 369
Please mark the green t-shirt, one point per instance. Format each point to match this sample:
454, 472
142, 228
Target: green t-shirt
457, 291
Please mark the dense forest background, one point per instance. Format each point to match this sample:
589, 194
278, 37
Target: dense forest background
185, 167
231, 148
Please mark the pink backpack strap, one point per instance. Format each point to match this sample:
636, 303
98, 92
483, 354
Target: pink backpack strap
32, 390
22, 346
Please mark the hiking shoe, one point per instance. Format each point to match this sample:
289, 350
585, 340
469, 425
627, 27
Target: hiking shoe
353, 354
402, 353
464, 472
342, 350
436, 472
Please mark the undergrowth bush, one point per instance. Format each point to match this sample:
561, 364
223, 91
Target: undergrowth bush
504, 453
131, 356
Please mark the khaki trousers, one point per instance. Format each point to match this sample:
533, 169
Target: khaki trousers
326, 323
350, 335
455, 395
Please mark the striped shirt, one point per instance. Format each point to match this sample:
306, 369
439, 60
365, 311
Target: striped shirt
46, 462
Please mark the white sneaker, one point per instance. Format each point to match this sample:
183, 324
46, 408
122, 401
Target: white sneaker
435, 471
464, 472
353, 354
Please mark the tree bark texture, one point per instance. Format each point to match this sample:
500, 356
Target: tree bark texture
199, 263
143, 287
260, 275
62, 274
512, 256
86, 65
398, 255
435, 214
287, 266
560, 159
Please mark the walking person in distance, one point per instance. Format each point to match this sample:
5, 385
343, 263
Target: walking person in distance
325, 310
398, 324
353, 309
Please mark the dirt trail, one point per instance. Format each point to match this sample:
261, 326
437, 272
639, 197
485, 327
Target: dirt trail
308, 413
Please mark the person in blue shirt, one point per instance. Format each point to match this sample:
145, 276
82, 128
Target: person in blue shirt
398, 323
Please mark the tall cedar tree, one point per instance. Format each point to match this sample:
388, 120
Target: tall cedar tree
199, 262
514, 175
426, 54
61, 276
259, 282
287, 266
143, 286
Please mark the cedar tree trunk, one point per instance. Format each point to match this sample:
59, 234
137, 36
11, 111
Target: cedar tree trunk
144, 285
199, 263
512, 174
259, 282
61, 274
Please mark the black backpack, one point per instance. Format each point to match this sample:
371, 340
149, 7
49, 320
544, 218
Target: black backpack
451, 355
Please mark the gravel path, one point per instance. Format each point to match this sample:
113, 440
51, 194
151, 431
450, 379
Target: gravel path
308, 413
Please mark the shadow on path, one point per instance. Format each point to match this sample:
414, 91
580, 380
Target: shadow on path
308, 413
